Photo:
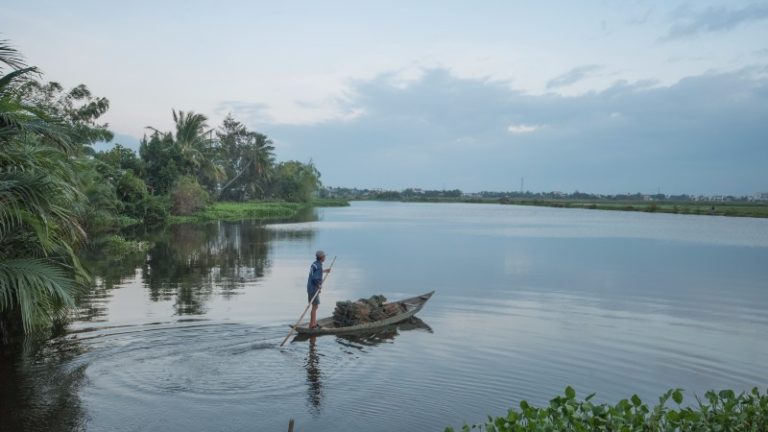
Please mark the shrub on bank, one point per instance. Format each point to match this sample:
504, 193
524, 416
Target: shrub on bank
187, 196
723, 411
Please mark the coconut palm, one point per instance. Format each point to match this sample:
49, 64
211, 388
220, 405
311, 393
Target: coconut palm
194, 142
262, 159
191, 137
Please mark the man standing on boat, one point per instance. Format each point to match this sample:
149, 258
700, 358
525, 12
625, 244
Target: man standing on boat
314, 285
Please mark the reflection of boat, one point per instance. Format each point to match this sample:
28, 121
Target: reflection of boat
374, 336
382, 334
410, 306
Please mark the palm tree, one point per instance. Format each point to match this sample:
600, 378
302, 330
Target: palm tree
249, 157
195, 144
191, 137
262, 158
39, 272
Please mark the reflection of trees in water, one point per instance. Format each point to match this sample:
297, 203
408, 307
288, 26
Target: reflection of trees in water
189, 263
194, 260
108, 271
242, 255
39, 390
178, 264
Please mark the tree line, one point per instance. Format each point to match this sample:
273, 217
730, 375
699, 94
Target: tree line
55, 189
412, 194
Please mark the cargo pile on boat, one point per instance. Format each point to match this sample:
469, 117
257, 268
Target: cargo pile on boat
375, 308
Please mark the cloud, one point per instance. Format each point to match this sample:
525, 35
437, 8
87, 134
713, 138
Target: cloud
522, 128
251, 112
641, 19
704, 134
573, 76
714, 19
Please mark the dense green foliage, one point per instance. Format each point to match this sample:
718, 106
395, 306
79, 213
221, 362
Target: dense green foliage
56, 191
722, 411
295, 181
40, 201
234, 165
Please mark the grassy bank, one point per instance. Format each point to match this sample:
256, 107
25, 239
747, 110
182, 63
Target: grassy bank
253, 210
737, 209
721, 411
330, 202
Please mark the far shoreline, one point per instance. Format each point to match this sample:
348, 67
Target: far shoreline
728, 209
270, 211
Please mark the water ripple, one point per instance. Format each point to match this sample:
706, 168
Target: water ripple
214, 361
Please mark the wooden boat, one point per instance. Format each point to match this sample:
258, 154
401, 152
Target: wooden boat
327, 326
375, 336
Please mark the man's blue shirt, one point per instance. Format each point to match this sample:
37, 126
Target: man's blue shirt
315, 277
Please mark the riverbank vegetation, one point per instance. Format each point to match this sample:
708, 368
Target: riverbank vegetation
233, 211
57, 193
736, 209
743, 206
719, 411
249, 210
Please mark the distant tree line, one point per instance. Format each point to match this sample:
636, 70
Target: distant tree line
55, 189
413, 194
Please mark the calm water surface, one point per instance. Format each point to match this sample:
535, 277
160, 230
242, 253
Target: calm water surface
528, 300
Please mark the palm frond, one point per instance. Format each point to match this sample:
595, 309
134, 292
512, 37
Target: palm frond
10, 56
8, 79
40, 289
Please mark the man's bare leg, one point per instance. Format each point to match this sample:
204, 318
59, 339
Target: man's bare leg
313, 316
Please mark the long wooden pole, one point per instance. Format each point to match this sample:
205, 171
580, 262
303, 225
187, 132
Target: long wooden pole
293, 327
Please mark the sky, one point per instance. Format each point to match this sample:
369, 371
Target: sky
591, 96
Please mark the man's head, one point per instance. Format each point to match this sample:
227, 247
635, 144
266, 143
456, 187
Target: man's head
320, 255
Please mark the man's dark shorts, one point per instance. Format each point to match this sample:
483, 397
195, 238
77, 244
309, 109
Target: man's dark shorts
310, 293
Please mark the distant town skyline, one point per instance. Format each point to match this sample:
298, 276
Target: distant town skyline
617, 97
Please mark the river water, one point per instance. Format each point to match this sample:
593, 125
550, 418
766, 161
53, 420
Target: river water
528, 301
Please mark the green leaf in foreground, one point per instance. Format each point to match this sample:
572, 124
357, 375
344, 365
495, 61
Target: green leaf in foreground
677, 396
725, 411
570, 393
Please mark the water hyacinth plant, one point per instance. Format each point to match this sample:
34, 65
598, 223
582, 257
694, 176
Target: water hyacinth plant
720, 411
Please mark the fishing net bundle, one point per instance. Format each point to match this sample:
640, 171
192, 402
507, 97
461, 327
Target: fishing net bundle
374, 308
